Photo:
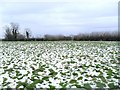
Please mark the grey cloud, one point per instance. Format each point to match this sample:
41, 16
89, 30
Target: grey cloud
62, 17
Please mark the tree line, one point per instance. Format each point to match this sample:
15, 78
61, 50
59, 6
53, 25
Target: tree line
12, 34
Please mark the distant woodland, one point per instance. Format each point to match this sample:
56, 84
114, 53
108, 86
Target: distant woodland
12, 33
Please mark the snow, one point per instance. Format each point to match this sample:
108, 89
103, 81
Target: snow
86, 59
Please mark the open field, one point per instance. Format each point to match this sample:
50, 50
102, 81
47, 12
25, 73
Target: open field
55, 64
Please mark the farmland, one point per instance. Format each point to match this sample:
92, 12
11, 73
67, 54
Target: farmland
59, 64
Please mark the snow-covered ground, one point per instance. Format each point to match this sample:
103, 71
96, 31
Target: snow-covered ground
65, 64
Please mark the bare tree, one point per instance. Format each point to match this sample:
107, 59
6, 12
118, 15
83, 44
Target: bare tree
14, 28
28, 34
12, 33
8, 33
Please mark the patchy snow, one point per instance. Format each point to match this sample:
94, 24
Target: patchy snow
67, 64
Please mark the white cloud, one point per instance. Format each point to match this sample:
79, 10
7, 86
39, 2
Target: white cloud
89, 1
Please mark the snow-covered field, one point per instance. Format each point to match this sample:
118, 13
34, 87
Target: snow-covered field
55, 64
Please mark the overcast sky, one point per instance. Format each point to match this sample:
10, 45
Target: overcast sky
60, 16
